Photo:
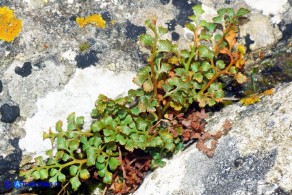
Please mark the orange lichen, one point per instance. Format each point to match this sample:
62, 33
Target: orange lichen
94, 19
10, 27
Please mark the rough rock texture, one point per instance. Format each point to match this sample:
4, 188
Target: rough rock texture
45, 74
254, 158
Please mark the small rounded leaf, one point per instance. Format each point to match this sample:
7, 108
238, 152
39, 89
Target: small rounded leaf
84, 174
74, 145
113, 163
220, 64
195, 67
209, 75
75, 183
107, 177
73, 169
65, 157
53, 179
146, 39
46, 135
99, 166
101, 172
53, 172
190, 26
211, 102
242, 12
217, 19
233, 70
205, 52
59, 125
36, 175
80, 121
164, 46
241, 78
61, 177
219, 94
39, 161
121, 139
61, 143
44, 174
148, 86
198, 10
206, 66
198, 77
162, 31
71, 118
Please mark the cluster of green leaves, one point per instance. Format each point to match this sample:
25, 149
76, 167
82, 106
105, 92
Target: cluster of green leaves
190, 75
116, 124
171, 82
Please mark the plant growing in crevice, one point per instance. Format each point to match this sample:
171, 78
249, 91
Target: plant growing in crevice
131, 134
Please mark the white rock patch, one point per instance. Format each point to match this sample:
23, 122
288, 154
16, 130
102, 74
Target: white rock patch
78, 96
269, 7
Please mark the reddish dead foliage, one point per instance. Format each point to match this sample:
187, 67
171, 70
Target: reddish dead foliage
133, 168
193, 127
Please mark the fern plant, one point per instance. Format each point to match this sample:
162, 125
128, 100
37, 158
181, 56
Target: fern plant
150, 118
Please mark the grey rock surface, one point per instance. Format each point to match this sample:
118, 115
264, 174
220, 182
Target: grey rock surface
254, 158
44, 75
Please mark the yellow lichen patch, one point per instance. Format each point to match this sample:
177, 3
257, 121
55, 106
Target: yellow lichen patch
250, 100
94, 19
240, 62
256, 97
10, 27
241, 49
268, 92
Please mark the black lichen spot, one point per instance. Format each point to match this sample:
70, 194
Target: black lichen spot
164, 2
171, 25
106, 16
39, 65
248, 42
87, 59
175, 36
228, 2
133, 31
9, 167
238, 162
73, 18
185, 10
1, 86
286, 30
9, 113
25, 70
